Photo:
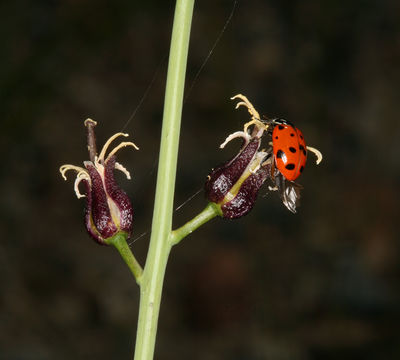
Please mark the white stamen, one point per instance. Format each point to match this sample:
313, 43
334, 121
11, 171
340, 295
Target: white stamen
107, 144
88, 120
316, 152
66, 167
120, 146
245, 102
259, 124
99, 162
120, 167
237, 134
81, 176
257, 161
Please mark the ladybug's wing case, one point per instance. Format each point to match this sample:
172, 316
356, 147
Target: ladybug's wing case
302, 152
289, 150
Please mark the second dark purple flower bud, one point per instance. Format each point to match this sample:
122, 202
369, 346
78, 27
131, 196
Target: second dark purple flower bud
234, 186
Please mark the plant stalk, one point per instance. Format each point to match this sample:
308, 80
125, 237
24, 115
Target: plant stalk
210, 211
119, 242
159, 248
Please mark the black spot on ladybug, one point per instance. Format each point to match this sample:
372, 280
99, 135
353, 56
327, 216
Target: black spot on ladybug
276, 137
301, 136
281, 127
291, 134
289, 166
292, 149
303, 150
301, 168
280, 154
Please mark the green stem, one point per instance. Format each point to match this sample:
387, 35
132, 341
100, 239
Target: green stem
210, 211
119, 242
159, 248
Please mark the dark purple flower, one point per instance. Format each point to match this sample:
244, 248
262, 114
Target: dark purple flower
108, 208
234, 185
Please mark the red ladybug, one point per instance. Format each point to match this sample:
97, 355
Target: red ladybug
289, 148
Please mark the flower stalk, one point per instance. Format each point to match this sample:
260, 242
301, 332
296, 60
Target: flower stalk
160, 246
210, 211
119, 242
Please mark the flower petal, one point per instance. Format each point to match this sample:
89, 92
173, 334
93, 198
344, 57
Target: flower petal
119, 197
244, 201
222, 179
98, 205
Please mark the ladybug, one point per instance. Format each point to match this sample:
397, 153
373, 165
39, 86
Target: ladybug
289, 149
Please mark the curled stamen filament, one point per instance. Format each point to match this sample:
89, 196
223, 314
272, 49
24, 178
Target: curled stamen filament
316, 152
107, 144
65, 168
245, 102
120, 146
122, 168
81, 176
257, 123
237, 134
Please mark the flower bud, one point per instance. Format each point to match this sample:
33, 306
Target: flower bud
234, 186
108, 208
246, 196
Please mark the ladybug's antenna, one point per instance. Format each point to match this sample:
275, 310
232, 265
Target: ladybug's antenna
316, 152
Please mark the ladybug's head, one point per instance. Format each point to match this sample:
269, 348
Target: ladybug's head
276, 122
280, 121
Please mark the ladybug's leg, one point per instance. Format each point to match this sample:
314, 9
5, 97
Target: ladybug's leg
279, 182
273, 169
316, 152
273, 188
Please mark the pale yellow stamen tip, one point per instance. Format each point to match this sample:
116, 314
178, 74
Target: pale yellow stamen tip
257, 123
316, 152
122, 168
245, 102
82, 174
66, 167
108, 142
87, 121
120, 146
237, 134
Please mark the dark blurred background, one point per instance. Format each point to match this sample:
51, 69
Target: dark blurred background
321, 284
